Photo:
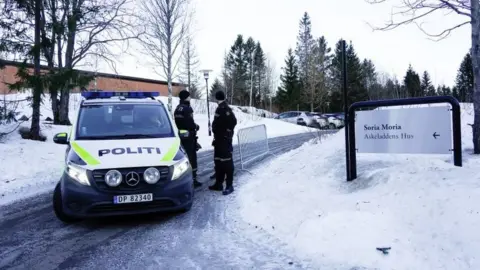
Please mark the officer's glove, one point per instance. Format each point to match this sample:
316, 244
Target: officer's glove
197, 127
198, 147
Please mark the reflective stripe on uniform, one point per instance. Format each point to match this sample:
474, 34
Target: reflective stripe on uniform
222, 159
182, 131
83, 154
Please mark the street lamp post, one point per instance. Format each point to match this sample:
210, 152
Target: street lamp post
251, 81
205, 75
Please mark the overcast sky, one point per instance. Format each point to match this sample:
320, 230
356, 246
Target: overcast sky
275, 24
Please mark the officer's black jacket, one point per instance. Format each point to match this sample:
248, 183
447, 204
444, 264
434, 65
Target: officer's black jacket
224, 121
184, 117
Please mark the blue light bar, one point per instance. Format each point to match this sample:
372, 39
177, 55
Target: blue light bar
133, 94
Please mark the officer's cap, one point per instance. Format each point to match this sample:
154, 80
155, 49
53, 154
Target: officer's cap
220, 95
184, 94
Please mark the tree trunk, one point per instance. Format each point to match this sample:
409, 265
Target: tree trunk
475, 51
54, 92
55, 106
72, 22
37, 88
64, 105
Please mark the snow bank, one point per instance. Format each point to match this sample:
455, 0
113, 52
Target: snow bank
28, 167
424, 208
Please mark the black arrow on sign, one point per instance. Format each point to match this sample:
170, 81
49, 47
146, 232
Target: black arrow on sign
435, 135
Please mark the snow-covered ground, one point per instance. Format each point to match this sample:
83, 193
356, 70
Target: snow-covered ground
423, 207
28, 167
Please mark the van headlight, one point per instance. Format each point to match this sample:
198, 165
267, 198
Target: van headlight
151, 175
77, 173
113, 178
180, 168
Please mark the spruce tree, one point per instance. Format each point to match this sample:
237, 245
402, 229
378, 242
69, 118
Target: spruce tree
216, 86
355, 80
369, 75
426, 86
249, 54
303, 51
260, 92
412, 83
236, 71
464, 80
288, 94
318, 81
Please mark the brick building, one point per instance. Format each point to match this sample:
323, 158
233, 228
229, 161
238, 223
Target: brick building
103, 81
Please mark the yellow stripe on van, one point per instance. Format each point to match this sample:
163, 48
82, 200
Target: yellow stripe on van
172, 151
83, 154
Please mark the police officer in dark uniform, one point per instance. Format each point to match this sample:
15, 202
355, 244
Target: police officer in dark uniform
187, 129
223, 125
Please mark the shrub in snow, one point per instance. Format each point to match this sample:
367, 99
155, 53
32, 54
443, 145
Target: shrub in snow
25, 133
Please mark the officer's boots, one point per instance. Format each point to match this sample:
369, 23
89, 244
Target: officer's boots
229, 187
195, 182
218, 186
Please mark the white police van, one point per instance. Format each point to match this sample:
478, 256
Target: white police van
123, 157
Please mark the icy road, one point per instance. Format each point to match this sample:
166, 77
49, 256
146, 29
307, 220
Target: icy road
207, 237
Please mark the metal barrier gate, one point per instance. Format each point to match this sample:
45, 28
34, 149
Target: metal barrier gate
252, 144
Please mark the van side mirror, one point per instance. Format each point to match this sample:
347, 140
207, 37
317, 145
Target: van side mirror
61, 138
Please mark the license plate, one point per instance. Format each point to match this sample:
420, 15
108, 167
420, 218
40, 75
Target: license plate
134, 198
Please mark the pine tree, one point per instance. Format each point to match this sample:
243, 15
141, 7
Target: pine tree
444, 90
260, 92
305, 44
249, 49
464, 80
317, 86
216, 86
288, 94
236, 71
369, 75
455, 93
426, 86
355, 80
412, 83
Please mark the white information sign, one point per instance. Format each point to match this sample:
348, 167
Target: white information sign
424, 130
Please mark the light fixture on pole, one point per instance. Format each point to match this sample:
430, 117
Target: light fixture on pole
205, 75
251, 81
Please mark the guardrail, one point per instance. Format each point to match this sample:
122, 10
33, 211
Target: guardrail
252, 144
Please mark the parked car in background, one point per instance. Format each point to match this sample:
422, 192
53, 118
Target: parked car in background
299, 118
335, 120
321, 120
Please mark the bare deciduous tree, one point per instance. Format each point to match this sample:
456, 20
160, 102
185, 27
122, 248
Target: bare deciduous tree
270, 77
93, 28
167, 23
72, 31
414, 11
189, 72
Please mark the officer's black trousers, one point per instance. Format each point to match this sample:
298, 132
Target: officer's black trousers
190, 145
224, 167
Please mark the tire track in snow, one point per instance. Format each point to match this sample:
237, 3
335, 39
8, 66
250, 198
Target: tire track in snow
32, 237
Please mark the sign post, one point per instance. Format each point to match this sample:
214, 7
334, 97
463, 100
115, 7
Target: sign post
426, 130
423, 130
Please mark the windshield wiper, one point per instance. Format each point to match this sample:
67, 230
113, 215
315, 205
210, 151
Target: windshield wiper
94, 137
134, 136
113, 137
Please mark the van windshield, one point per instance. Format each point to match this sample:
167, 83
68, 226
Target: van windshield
123, 121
